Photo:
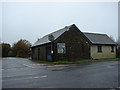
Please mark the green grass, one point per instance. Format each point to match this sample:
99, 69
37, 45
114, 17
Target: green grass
62, 62
71, 62
86, 60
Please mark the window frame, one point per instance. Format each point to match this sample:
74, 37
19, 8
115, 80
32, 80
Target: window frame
99, 49
61, 47
112, 48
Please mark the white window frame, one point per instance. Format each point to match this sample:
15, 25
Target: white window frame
61, 48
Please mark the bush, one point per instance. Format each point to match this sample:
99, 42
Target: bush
21, 48
5, 49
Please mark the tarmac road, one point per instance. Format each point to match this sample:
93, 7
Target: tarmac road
23, 73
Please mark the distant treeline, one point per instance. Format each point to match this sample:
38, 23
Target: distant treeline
19, 49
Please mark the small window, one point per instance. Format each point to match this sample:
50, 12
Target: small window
99, 48
61, 48
112, 48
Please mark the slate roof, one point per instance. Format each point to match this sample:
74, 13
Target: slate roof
96, 38
56, 34
93, 37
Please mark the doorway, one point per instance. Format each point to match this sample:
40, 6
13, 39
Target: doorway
48, 54
38, 53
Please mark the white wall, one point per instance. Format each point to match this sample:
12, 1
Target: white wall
106, 52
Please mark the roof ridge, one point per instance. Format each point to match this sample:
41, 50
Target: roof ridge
56, 31
61, 28
94, 33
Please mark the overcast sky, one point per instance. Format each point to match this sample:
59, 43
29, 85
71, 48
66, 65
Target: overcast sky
31, 21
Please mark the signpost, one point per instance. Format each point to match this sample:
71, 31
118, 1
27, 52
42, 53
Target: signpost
51, 38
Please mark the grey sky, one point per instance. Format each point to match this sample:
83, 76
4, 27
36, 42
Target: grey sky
33, 20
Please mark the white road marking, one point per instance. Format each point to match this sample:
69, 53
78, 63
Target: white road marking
28, 66
40, 76
61, 65
18, 76
36, 77
44, 76
37, 64
10, 58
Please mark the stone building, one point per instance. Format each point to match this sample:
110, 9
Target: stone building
69, 43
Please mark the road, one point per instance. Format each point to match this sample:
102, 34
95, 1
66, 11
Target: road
23, 73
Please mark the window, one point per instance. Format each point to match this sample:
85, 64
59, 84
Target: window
99, 48
112, 48
61, 48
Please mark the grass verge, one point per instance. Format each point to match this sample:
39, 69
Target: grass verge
73, 62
